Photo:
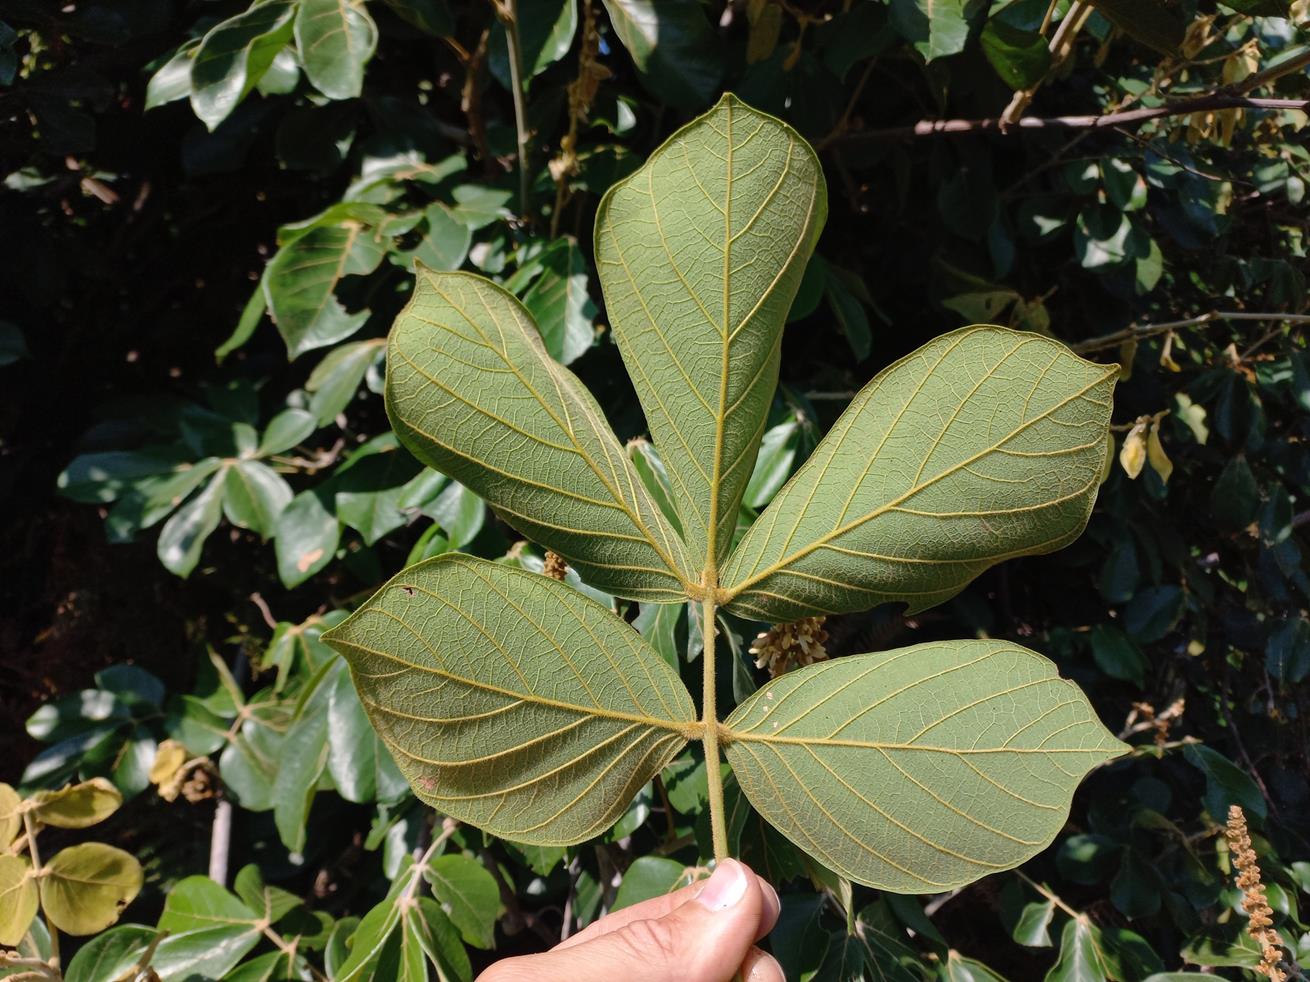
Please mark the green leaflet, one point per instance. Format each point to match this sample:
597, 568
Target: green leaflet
511, 701
300, 281
234, 55
472, 392
920, 769
983, 445
700, 254
85, 887
335, 38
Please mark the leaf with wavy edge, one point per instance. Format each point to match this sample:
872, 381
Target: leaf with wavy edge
700, 254
920, 769
472, 392
511, 701
983, 445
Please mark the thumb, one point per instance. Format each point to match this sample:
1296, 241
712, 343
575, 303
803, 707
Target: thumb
705, 939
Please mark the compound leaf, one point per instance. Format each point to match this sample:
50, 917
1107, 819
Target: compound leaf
700, 254
472, 392
511, 701
983, 445
920, 769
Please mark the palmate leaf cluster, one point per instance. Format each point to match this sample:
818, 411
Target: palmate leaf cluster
219, 213
531, 712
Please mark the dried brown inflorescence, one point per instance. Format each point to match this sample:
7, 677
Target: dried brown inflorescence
784, 647
554, 566
1254, 901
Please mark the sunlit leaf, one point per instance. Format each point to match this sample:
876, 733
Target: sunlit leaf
468, 894
647, 877
112, 955
983, 445
511, 701
78, 806
335, 39
84, 888
18, 898
301, 280
11, 818
1081, 957
920, 769
183, 536
700, 254
234, 55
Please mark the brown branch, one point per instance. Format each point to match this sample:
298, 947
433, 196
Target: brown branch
1182, 107
470, 100
1137, 332
1061, 48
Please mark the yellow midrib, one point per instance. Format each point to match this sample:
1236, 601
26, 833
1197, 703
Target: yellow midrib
729, 593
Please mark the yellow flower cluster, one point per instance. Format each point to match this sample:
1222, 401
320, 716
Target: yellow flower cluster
555, 567
786, 646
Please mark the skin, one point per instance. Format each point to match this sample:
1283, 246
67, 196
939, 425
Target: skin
705, 932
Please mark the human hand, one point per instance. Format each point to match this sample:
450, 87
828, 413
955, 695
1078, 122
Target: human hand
704, 932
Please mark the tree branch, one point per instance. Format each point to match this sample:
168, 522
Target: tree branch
1181, 107
1137, 332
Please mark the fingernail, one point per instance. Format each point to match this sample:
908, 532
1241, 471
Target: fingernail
771, 899
726, 887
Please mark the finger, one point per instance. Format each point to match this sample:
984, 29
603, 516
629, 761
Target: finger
760, 966
704, 939
657, 907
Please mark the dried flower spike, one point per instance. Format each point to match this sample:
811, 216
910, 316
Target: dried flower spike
786, 646
1254, 901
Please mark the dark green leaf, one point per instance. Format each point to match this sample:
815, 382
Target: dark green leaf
1156, 23
307, 537
673, 47
647, 877
468, 894
1116, 655
1225, 783
234, 56
183, 536
1020, 56
1288, 652
335, 39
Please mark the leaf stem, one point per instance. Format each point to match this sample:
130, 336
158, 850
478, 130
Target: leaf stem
1049, 895
709, 717
509, 14
37, 867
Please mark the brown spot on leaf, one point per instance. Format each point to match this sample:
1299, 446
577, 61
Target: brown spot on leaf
308, 560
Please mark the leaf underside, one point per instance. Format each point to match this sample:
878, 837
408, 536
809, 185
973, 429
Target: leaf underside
472, 392
700, 254
983, 445
511, 701
514, 703
920, 769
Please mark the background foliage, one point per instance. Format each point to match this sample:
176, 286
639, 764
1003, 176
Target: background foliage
213, 210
